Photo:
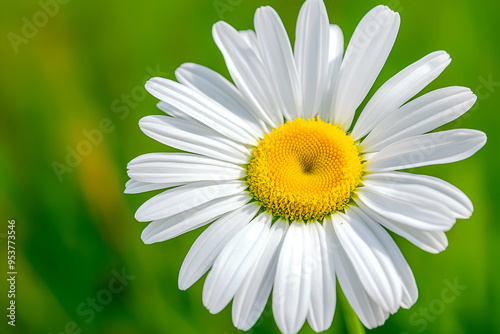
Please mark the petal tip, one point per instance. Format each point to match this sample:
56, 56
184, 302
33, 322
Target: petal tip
183, 285
146, 238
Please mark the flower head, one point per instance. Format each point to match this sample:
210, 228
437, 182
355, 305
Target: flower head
297, 195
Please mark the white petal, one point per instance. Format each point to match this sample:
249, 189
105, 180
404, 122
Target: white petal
292, 285
429, 149
399, 89
175, 112
408, 210
370, 260
181, 167
419, 116
430, 241
234, 262
323, 296
413, 199
219, 89
312, 39
365, 56
250, 38
251, 298
210, 243
432, 188
336, 51
370, 314
205, 110
248, 72
176, 200
191, 137
390, 249
136, 187
335, 47
278, 60
168, 228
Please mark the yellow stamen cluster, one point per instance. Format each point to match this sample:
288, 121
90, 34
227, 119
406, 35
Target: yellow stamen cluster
304, 170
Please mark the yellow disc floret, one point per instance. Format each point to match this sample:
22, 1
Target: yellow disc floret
304, 170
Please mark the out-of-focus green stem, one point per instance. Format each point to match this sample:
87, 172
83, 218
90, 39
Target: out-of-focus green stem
352, 323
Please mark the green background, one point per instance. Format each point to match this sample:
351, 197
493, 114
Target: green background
73, 233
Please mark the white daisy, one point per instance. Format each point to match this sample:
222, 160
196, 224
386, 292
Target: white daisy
297, 194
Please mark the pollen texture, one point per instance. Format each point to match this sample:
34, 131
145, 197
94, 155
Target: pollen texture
304, 170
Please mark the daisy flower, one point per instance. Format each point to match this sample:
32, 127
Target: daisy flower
297, 195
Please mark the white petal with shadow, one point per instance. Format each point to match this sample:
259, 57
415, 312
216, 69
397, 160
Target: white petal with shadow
323, 282
217, 88
398, 90
136, 187
311, 51
195, 138
369, 313
419, 116
429, 241
235, 262
365, 56
248, 72
292, 284
210, 243
171, 227
182, 168
429, 149
379, 276
201, 108
252, 296
176, 200
278, 60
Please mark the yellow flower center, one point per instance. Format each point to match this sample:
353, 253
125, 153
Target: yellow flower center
304, 170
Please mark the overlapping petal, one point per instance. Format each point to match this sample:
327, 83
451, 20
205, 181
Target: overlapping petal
365, 56
323, 294
234, 262
192, 137
190, 219
217, 88
210, 243
419, 116
278, 61
181, 168
292, 285
398, 90
429, 149
186, 197
251, 298
248, 72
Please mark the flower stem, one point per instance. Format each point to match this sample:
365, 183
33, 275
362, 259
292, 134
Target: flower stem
352, 323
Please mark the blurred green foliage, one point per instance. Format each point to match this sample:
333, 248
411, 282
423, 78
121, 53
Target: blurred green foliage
83, 67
